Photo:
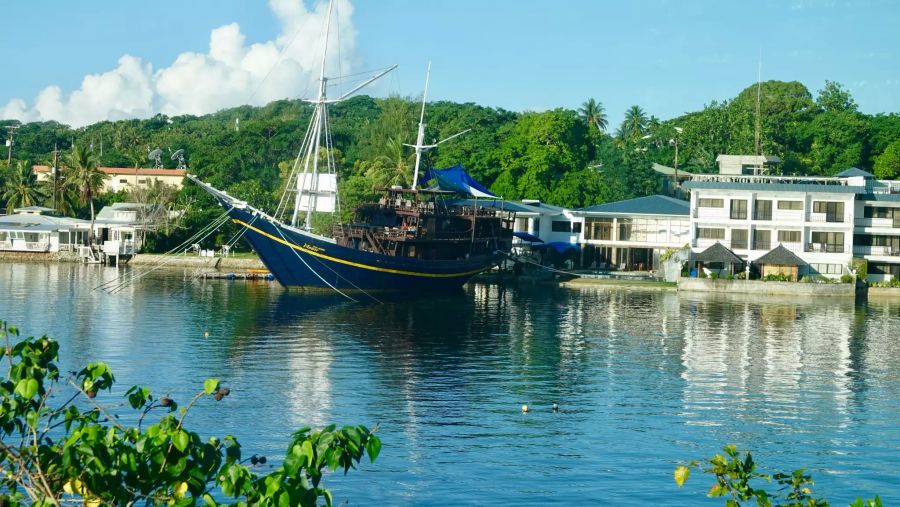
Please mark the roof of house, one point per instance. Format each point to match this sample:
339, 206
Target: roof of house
40, 210
854, 171
126, 171
783, 187
749, 159
670, 171
717, 253
649, 205
780, 256
40, 223
517, 206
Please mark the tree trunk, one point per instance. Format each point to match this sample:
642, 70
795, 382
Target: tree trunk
91, 231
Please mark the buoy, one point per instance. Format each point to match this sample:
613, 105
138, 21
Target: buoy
555, 407
524, 408
206, 334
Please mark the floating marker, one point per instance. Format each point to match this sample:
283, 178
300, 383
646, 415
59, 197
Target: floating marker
524, 408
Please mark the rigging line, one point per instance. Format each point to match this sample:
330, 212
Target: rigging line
278, 61
548, 268
283, 202
357, 287
340, 58
238, 235
110, 286
313, 271
223, 216
122, 286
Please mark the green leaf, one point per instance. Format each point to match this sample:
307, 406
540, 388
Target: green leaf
681, 472
373, 448
27, 388
180, 440
210, 385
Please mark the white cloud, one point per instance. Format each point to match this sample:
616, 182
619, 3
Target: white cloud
231, 73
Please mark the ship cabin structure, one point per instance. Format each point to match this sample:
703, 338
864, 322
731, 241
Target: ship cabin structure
428, 225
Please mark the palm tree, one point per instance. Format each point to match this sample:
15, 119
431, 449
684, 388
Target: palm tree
21, 189
85, 178
593, 113
634, 126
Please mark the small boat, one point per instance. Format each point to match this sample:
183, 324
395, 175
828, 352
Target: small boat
412, 239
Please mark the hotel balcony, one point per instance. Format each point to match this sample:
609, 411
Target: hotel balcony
824, 248
828, 218
885, 251
884, 223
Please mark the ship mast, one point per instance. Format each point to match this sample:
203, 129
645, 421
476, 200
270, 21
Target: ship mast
420, 147
307, 184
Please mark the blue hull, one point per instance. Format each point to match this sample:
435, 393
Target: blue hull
300, 259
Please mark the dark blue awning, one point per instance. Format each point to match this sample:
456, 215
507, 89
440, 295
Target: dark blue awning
528, 237
455, 179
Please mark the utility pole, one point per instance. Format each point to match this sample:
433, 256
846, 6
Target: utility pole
10, 141
55, 172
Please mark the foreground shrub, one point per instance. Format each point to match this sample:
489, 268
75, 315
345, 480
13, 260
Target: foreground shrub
58, 444
739, 483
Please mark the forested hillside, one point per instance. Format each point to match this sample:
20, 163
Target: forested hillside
564, 157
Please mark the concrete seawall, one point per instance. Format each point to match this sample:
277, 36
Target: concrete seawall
195, 261
767, 288
884, 292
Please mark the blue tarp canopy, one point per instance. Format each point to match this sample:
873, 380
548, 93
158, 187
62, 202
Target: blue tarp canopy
528, 237
560, 246
455, 179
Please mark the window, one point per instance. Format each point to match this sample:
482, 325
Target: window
762, 210
711, 203
3, 236
576, 227
834, 211
827, 269
881, 212
762, 240
739, 238
831, 242
879, 268
598, 228
738, 209
790, 205
561, 226
789, 236
710, 233
624, 230
123, 180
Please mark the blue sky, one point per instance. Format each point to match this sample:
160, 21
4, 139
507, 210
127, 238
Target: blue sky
667, 56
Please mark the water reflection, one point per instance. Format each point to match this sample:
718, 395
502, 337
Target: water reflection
643, 379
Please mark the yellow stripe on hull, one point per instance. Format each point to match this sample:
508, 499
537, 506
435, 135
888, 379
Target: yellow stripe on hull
350, 263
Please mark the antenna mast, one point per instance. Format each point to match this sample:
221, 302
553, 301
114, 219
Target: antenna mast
758, 94
10, 142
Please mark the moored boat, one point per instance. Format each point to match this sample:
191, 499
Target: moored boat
410, 240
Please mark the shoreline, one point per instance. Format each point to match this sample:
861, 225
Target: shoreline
189, 261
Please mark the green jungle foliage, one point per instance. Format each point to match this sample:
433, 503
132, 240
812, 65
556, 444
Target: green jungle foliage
561, 156
61, 443
738, 482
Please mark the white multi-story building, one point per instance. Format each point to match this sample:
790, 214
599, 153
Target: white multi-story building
631, 234
824, 221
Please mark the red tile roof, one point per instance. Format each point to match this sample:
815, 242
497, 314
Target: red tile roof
119, 171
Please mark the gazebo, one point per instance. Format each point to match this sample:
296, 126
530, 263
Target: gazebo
717, 254
780, 261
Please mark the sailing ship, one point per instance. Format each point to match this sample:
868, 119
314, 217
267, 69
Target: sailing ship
412, 239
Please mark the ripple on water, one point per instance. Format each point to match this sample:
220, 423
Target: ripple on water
643, 381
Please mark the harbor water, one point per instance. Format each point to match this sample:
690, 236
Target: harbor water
643, 380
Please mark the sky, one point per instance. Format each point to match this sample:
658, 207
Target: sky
82, 62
